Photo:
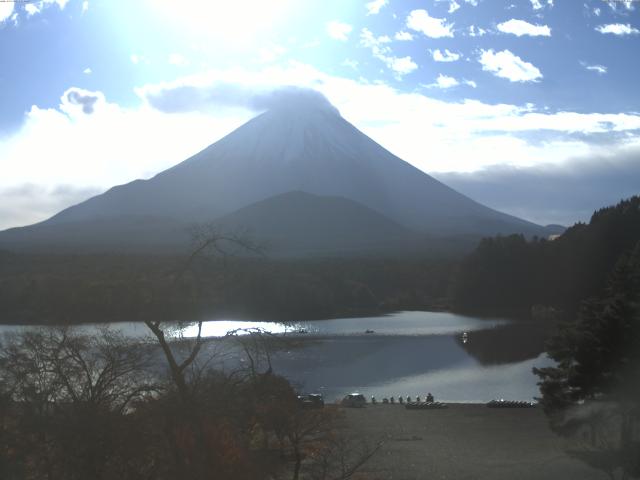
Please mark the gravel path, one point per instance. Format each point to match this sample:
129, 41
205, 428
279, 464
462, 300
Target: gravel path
465, 442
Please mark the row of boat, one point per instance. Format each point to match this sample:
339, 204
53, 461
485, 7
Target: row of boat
509, 404
425, 405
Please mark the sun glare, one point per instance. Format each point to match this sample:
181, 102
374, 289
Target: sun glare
238, 23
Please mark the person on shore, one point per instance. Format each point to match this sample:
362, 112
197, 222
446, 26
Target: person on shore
429, 398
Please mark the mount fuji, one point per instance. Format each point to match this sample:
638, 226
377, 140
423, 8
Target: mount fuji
297, 165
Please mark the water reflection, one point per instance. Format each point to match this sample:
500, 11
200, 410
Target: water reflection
458, 358
465, 383
394, 324
405, 365
514, 342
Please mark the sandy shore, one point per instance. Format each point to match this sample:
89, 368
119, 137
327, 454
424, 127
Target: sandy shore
465, 442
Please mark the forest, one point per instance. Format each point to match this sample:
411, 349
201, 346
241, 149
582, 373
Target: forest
510, 275
504, 275
66, 289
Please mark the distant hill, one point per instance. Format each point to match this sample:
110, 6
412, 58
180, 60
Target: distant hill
511, 274
298, 223
303, 146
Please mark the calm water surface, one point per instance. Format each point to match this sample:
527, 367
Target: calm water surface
408, 353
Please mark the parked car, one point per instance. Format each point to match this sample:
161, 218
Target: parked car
355, 400
311, 400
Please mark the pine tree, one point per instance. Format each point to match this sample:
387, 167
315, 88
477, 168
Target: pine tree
596, 380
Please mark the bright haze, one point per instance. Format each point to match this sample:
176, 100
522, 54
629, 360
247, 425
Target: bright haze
529, 107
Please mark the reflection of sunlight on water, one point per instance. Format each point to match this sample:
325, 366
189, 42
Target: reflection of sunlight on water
407, 323
220, 328
398, 323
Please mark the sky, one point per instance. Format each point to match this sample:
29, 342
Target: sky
529, 106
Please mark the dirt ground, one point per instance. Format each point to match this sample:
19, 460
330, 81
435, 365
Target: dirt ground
465, 442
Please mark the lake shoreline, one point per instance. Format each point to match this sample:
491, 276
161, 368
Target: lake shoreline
407, 353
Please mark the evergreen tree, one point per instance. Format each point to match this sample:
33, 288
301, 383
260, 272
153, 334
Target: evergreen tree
596, 382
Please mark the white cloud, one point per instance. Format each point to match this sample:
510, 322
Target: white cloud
596, 12
401, 65
421, 21
32, 8
6, 10
618, 29
444, 81
520, 28
373, 8
445, 56
615, 4
453, 6
135, 59
473, 3
87, 71
476, 31
505, 64
600, 69
538, 5
377, 44
380, 50
403, 36
85, 6
338, 30
111, 146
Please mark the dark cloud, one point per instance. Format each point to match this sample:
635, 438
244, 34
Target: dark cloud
187, 98
83, 98
550, 193
29, 203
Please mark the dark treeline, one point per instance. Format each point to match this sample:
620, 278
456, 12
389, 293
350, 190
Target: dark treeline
591, 274
592, 392
511, 274
66, 289
504, 275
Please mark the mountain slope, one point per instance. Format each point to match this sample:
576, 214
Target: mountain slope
293, 223
299, 146
298, 223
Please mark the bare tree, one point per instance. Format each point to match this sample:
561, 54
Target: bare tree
69, 393
208, 242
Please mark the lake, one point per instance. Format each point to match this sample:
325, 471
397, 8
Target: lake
457, 358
